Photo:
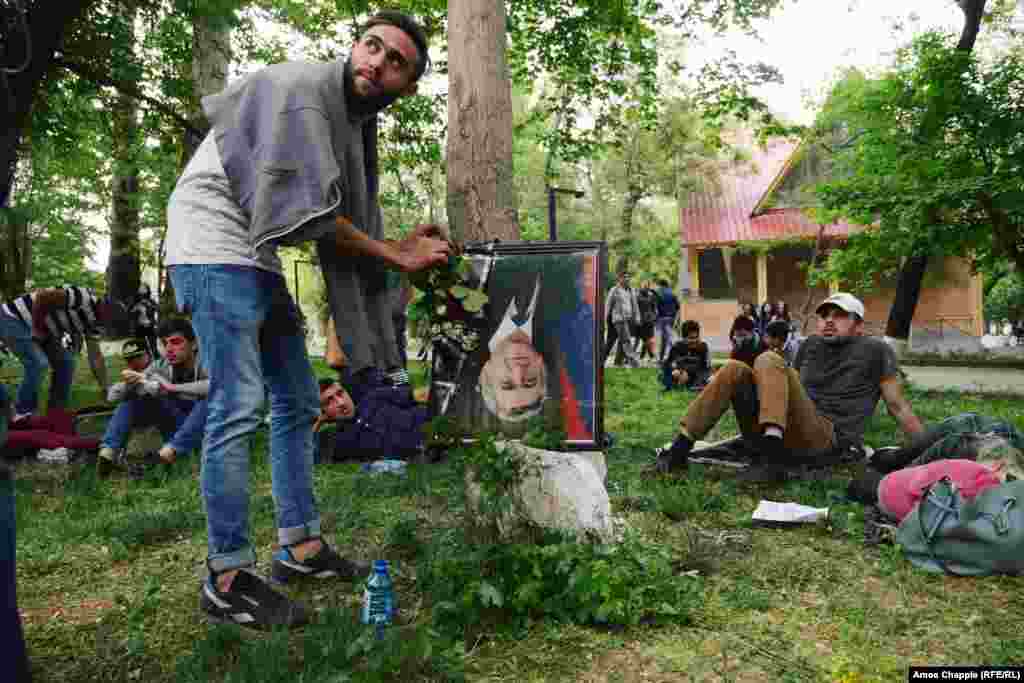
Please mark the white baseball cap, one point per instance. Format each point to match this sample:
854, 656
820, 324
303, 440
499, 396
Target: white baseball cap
847, 302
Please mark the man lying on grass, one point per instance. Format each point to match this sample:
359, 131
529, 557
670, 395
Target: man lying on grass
816, 411
387, 423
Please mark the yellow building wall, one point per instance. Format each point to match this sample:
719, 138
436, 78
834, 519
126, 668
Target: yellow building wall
951, 297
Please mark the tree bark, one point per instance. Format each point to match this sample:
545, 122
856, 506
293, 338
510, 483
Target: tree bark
974, 11
47, 23
481, 192
15, 253
633, 198
124, 271
124, 266
908, 287
816, 256
211, 56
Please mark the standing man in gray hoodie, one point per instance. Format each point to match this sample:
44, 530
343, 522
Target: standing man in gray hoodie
621, 312
291, 157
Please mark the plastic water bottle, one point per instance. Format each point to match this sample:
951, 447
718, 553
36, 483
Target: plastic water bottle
378, 598
382, 466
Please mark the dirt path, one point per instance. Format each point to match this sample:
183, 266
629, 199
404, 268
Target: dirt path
981, 380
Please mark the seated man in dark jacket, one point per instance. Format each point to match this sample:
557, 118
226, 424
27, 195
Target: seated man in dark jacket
387, 423
689, 361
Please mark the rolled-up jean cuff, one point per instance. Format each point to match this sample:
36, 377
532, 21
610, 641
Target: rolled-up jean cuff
226, 562
298, 534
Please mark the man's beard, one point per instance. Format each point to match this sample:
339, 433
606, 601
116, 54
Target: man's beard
361, 106
837, 340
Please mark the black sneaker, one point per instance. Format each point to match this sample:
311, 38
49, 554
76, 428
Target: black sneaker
769, 466
108, 460
326, 564
676, 457
250, 602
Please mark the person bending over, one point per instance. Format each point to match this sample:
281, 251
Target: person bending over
46, 328
818, 409
291, 157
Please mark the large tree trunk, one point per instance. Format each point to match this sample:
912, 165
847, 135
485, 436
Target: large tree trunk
908, 287
15, 253
633, 198
47, 23
123, 267
481, 193
211, 56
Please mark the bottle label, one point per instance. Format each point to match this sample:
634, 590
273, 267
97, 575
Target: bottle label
377, 605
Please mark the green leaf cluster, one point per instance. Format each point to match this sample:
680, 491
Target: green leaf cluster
445, 306
930, 156
560, 579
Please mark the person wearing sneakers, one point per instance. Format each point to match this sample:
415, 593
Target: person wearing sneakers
168, 393
816, 410
291, 157
622, 314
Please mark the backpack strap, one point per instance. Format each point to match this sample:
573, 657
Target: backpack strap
946, 510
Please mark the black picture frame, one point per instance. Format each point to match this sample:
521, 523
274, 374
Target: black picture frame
540, 351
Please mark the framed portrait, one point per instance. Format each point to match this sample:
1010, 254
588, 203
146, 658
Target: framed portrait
538, 355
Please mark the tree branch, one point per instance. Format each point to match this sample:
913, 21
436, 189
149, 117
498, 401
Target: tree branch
973, 11
97, 78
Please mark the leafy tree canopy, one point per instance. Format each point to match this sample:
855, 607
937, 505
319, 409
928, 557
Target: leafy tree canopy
930, 155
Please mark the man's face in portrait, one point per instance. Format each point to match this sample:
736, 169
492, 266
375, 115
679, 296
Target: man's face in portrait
515, 377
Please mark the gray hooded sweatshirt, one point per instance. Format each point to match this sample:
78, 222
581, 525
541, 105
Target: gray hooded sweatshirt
296, 160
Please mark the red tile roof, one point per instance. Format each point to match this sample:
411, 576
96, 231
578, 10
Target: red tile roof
725, 217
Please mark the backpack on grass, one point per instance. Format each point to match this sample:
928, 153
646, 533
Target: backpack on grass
976, 537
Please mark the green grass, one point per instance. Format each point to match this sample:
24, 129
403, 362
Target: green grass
108, 574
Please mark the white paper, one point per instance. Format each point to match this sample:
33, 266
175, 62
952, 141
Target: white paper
770, 511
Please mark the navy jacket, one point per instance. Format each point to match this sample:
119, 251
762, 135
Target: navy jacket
668, 304
387, 424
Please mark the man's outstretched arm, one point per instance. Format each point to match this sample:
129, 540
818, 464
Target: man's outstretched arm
421, 249
899, 407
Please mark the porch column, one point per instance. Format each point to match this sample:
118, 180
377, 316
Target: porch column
977, 295
762, 278
684, 270
694, 271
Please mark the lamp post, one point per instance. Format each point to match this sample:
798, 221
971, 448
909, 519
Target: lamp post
552, 221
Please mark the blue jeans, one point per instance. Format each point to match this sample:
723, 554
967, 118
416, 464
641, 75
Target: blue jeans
251, 341
663, 326
180, 421
36, 358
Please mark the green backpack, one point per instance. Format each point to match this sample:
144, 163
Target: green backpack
977, 537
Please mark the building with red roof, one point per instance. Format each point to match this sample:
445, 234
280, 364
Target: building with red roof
749, 239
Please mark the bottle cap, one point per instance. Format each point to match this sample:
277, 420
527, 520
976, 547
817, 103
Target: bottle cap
380, 565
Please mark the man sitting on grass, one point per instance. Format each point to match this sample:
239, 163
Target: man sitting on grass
817, 409
387, 423
778, 338
689, 361
169, 393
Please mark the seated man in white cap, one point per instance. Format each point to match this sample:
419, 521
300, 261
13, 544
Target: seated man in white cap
812, 411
